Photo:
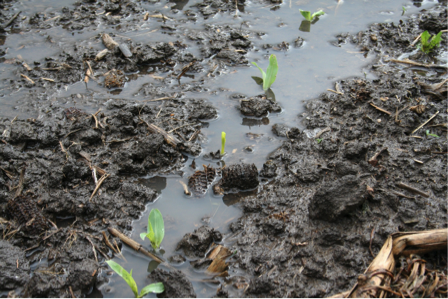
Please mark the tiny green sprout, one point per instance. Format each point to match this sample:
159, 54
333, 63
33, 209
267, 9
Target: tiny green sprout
433, 135
308, 16
319, 140
156, 288
428, 43
223, 142
156, 229
271, 72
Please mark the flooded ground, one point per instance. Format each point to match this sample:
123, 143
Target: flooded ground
48, 35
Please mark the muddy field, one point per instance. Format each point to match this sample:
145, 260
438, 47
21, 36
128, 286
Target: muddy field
362, 162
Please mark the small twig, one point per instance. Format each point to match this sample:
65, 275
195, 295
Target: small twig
27, 78
20, 185
98, 185
416, 40
402, 195
397, 112
47, 79
11, 20
96, 121
337, 92
380, 109
407, 61
186, 191
412, 189
422, 125
374, 160
195, 134
106, 240
71, 292
327, 129
93, 248
134, 245
72, 132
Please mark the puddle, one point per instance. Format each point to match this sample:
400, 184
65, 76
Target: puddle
304, 73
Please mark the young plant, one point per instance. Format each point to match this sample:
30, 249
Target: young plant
404, 10
223, 142
156, 229
428, 43
433, 135
271, 72
309, 17
156, 288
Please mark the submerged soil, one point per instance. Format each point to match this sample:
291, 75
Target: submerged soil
307, 230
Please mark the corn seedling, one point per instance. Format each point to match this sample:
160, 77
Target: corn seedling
404, 10
156, 288
428, 43
271, 72
319, 140
309, 17
433, 135
223, 142
156, 229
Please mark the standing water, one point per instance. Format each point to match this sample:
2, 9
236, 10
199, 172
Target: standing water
309, 64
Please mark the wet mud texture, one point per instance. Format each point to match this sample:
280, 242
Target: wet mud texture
53, 214
307, 231
220, 46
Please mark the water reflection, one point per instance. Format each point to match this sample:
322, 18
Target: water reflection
180, 4
255, 122
234, 198
157, 183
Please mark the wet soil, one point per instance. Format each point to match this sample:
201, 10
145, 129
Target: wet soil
305, 233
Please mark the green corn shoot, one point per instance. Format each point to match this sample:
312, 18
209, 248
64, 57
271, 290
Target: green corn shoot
428, 43
433, 135
271, 72
223, 142
309, 17
156, 229
156, 288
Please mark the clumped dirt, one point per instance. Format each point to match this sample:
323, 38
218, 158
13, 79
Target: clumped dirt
50, 207
68, 174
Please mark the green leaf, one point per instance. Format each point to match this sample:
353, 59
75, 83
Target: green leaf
271, 72
306, 14
156, 288
263, 74
435, 40
156, 227
258, 80
317, 14
125, 275
433, 135
143, 235
223, 142
425, 37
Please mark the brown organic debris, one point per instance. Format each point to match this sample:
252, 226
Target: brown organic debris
382, 279
114, 78
201, 180
109, 41
24, 211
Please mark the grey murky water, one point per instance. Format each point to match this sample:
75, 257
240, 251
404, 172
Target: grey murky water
304, 73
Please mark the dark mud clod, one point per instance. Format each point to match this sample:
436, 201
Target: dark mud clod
239, 177
201, 180
24, 211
